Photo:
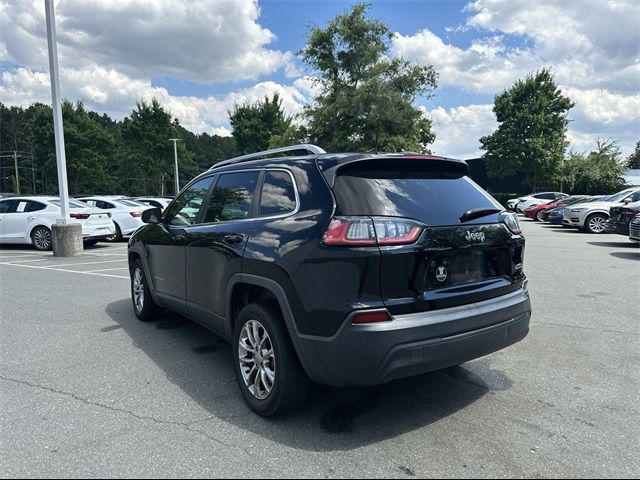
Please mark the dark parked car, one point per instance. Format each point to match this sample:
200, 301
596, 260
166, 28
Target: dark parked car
343, 269
620, 217
634, 229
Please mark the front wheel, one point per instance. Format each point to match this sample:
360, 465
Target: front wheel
595, 223
41, 238
268, 371
143, 305
539, 216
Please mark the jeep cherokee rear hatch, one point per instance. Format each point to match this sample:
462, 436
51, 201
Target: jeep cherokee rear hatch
443, 240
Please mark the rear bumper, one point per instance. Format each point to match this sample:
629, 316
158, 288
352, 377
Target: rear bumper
94, 232
363, 355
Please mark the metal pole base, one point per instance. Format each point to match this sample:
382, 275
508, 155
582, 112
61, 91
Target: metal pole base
67, 240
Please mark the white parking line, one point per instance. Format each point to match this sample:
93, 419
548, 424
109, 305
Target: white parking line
108, 269
27, 261
65, 271
85, 263
28, 255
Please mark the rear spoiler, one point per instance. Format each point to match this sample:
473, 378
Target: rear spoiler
329, 165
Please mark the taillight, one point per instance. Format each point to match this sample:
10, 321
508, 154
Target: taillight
80, 216
135, 214
368, 232
371, 317
512, 223
629, 213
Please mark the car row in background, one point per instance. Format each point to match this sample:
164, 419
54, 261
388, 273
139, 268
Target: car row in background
126, 213
618, 213
29, 219
519, 205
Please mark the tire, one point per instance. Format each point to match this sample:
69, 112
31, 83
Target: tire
539, 216
143, 305
116, 237
41, 239
595, 223
263, 323
90, 243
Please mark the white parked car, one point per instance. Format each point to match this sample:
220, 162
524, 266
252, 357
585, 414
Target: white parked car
156, 202
126, 213
592, 217
521, 204
29, 220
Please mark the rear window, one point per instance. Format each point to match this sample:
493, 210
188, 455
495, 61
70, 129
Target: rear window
132, 203
433, 197
72, 204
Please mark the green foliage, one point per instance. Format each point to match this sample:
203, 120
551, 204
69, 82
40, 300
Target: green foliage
104, 156
597, 173
633, 161
532, 125
366, 98
255, 125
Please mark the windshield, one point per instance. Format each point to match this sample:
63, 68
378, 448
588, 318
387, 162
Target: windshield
618, 196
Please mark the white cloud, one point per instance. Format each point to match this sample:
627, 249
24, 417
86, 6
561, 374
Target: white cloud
458, 130
198, 40
114, 93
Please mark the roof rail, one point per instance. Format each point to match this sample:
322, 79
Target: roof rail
252, 156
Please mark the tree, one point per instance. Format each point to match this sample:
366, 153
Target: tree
633, 161
255, 124
366, 99
597, 173
532, 126
146, 163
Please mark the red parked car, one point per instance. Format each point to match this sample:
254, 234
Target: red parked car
535, 211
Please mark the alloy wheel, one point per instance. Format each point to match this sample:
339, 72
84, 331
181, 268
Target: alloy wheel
42, 239
257, 360
596, 224
138, 290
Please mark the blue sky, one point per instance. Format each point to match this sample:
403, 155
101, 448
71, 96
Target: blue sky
201, 57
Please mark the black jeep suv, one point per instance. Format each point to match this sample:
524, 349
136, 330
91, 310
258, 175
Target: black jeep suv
342, 269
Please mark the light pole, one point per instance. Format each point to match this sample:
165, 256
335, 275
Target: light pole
175, 159
66, 235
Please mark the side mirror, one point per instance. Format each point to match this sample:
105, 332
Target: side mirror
626, 201
151, 215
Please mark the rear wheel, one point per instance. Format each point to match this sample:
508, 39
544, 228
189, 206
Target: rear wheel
539, 216
41, 238
595, 223
268, 371
143, 304
90, 243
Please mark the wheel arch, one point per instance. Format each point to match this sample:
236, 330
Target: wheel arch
243, 280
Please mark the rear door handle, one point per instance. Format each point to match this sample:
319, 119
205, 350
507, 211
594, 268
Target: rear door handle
31, 218
233, 239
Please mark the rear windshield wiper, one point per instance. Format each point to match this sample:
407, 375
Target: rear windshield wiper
477, 213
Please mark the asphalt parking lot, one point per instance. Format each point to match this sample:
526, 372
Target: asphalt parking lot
87, 390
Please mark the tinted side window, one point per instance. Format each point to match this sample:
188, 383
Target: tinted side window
634, 197
34, 206
232, 197
6, 206
278, 194
185, 209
